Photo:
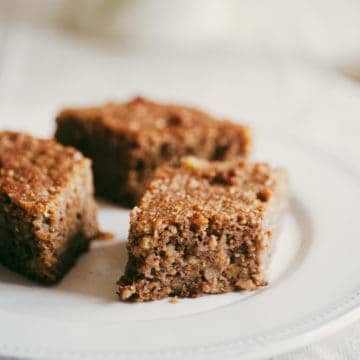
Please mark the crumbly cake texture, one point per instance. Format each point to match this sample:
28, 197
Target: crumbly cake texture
203, 227
47, 208
128, 141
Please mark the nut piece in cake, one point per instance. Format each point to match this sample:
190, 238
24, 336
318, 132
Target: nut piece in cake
47, 208
127, 141
203, 227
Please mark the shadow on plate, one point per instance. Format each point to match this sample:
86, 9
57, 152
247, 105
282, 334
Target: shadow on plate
305, 228
109, 205
94, 275
97, 272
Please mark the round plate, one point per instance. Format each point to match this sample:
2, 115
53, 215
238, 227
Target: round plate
314, 286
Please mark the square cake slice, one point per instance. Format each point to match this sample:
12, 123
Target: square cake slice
127, 141
47, 208
203, 227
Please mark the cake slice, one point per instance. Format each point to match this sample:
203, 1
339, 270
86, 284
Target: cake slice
203, 227
47, 209
127, 141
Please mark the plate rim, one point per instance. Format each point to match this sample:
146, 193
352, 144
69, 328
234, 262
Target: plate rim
325, 323
314, 327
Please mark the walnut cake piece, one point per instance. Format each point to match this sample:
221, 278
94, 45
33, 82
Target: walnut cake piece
127, 141
47, 208
203, 227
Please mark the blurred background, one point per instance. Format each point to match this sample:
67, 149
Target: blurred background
296, 63
293, 63
289, 64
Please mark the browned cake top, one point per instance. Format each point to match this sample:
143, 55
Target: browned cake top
141, 114
202, 190
33, 171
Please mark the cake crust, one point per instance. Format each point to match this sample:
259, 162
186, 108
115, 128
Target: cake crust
128, 141
47, 209
203, 227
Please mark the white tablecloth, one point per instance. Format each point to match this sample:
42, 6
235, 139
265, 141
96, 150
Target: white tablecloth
294, 65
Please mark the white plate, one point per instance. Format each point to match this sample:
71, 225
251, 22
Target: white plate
314, 289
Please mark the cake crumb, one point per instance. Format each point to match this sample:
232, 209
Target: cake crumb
174, 300
105, 236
